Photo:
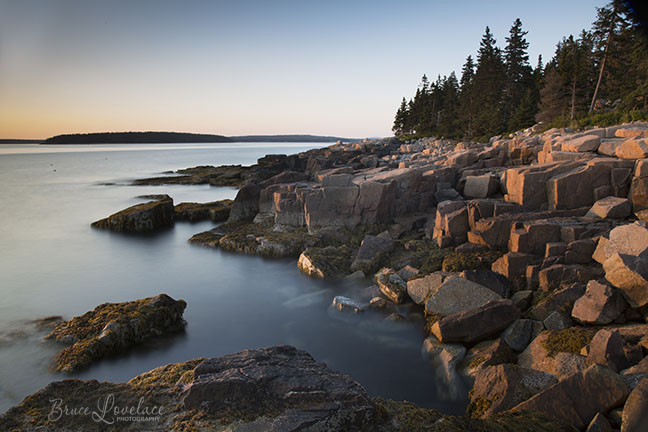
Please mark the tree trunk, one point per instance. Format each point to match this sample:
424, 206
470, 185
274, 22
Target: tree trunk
573, 99
605, 53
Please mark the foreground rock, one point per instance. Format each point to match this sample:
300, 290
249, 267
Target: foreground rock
272, 389
576, 399
146, 217
500, 388
476, 324
111, 328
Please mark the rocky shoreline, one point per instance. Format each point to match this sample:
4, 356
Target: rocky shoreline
527, 258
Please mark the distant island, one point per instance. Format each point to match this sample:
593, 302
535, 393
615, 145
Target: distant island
179, 137
20, 141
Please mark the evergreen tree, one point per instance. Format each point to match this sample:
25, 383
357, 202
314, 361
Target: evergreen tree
400, 121
488, 88
574, 61
465, 98
518, 70
553, 100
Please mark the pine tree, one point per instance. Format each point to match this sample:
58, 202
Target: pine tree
466, 98
553, 100
488, 88
518, 70
400, 121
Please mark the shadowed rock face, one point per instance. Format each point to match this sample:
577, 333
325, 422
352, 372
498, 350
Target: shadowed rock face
111, 328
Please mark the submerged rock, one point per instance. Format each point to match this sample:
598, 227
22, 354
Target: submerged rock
112, 328
149, 216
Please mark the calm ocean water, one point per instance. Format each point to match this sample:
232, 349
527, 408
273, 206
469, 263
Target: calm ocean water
53, 263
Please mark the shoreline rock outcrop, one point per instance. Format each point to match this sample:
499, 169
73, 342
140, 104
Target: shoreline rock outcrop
278, 388
112, 328
529, 251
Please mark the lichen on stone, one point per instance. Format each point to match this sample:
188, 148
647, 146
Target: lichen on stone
570, 340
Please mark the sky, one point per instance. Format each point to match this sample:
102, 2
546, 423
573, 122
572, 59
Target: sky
242, 67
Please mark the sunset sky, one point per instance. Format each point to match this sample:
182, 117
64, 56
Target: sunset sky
244, 67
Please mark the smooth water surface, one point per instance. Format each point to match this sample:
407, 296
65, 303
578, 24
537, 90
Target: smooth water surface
53, 263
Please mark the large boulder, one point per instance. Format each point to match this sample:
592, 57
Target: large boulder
372, 250
476, 324
576, 399
630, 274
145, 217
586, 143
112, 328
512, 264
457, 294
631, 239
481, 186
519, 334
639, 194
391, 285
553, 352
558, 300
246, 203
451, 223
635, 410
557, 275
419, 289
527, 185
633, 149
502, 387
601, 304
607, 349
328, 262
611, 208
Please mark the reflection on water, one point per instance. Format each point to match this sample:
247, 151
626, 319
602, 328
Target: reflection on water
53, 263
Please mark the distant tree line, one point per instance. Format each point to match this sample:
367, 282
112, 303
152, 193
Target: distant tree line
179, 137
601, 75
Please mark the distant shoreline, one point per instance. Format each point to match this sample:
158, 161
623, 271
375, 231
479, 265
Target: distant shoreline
172, 137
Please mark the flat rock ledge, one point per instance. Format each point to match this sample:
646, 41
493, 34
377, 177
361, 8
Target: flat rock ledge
112, 328
279, 388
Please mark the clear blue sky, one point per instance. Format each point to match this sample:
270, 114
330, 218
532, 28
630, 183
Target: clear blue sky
244, 67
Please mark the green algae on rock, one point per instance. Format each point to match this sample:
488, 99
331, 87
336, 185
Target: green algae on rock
145, 217
113, 327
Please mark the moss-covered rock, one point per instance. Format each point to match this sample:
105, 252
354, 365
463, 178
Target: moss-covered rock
113, 327
145, 217
329, 262
257, 239
570, 340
